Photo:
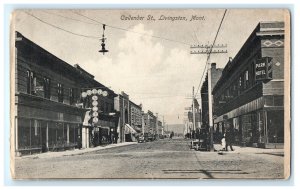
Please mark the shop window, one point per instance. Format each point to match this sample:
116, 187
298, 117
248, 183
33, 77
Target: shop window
60, 92
72, 134
60, 134
24, 134
52, 134
275, 126
65, 132
36, 134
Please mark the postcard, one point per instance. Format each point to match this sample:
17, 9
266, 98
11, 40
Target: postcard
150, 94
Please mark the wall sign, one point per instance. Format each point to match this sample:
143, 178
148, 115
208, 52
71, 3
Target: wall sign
263, 69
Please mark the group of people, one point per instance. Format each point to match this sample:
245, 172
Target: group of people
228, 139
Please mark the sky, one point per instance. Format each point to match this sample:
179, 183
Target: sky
148, 59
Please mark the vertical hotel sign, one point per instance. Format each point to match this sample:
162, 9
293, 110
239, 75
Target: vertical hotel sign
263, 69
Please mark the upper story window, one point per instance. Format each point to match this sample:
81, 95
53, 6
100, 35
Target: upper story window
47, 88
102, 105
37, 85
30, 82
240, 86
60, 92
246, 79
71, 96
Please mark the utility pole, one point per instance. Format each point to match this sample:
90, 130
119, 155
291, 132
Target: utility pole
208, 49
194, 120
211, 125
163, 126
156, 125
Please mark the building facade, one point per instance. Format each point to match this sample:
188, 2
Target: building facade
150, 125
136, 116
101, 119
122, 106
130, 120
197, 111
249, 95
48, 106
215, 76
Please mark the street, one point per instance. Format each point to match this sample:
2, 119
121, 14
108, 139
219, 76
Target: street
167, 158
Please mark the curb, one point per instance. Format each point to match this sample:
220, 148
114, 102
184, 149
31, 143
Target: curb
74, 152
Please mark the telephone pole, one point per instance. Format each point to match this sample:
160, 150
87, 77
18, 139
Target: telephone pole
208, 49
193, 111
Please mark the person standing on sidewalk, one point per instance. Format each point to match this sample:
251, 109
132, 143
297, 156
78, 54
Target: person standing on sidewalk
229, 138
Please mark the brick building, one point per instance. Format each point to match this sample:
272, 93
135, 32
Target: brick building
215, 76
48, 106
130, 121
149, 124
249, 95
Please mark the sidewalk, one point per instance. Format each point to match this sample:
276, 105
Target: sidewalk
74, 152
238, 149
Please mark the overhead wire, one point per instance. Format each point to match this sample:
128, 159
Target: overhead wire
98, 23
209, 53
59, 28
66, 17
119, 28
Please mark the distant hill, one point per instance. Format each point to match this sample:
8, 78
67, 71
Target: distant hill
176, 128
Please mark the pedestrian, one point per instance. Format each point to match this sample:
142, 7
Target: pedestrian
229, 138
223, 143
112, 138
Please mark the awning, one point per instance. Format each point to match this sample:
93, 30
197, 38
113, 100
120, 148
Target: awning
129, 129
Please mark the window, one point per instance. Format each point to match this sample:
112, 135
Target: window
106, 107
109, 108
246, 79
278, 101
240, 86
31, 82
47, 88
234, 90
39, 86
102, 105
227, 94
71, 96
60, 92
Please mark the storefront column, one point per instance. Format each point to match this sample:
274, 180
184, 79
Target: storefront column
16, 135
47, 136
266, 126
83, 137
87, 137
68, 133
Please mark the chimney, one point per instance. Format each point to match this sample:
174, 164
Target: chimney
213, 65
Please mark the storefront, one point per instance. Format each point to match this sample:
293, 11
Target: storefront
250, 93
100, 133
42, 130
261, 128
